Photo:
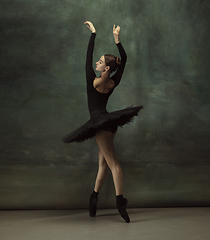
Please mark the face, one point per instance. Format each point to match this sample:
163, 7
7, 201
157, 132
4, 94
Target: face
100, 65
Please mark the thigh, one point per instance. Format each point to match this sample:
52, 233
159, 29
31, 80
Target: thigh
104, 140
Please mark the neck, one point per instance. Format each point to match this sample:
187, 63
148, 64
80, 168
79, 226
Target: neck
105, 75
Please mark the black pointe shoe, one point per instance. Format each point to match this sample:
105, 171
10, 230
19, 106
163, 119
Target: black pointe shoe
122, 210
93, 206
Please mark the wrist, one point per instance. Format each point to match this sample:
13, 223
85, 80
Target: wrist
117, 40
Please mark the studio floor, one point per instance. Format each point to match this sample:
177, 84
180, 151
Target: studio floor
146, 223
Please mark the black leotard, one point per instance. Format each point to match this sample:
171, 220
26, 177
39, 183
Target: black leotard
101, 120
96, 100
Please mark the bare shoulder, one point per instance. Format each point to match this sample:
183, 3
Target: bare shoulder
111, 83
96, 82
100, 81
103, 86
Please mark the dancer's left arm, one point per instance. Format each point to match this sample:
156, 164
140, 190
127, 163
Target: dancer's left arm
118, 75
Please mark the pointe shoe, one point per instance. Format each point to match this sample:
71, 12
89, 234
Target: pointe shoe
92, 206
122, 210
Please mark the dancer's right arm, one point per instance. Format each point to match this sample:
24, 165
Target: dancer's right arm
90, 74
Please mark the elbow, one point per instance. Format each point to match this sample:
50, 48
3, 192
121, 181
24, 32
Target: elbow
125, 57
124, 60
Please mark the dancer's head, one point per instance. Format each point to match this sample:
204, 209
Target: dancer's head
108, 62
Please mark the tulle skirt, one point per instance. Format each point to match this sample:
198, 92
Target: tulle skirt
102, 120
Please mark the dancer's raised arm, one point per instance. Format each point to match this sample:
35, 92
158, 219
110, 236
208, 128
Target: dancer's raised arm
90, 74
118, 75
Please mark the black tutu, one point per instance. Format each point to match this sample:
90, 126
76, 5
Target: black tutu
102, 120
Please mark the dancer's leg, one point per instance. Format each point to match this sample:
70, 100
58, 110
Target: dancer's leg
105, 142
102, 172
101, 176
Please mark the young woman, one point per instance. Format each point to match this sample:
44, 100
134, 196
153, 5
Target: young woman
103, 125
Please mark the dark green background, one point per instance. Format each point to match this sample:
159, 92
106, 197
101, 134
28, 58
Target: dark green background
164, 153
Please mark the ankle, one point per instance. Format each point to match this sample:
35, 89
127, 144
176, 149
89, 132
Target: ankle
119, 199
94, 194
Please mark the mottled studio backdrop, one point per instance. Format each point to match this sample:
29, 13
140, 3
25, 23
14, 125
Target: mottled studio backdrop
164, 153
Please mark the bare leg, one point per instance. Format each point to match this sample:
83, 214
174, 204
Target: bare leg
101, 176
104, 140
102, 172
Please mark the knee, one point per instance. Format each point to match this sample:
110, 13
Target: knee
114, 165
102, 162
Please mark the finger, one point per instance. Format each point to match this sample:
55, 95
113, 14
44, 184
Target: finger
88, 22
114, 28
118, 29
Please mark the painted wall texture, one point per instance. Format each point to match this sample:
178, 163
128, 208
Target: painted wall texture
164, 153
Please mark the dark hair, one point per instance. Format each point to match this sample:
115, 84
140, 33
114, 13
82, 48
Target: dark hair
112, 61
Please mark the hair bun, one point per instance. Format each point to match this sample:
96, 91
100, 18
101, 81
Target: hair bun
118, 61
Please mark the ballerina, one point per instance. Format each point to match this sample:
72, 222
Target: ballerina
103, 125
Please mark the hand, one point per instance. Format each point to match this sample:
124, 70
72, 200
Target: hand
116, 34
90, 26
